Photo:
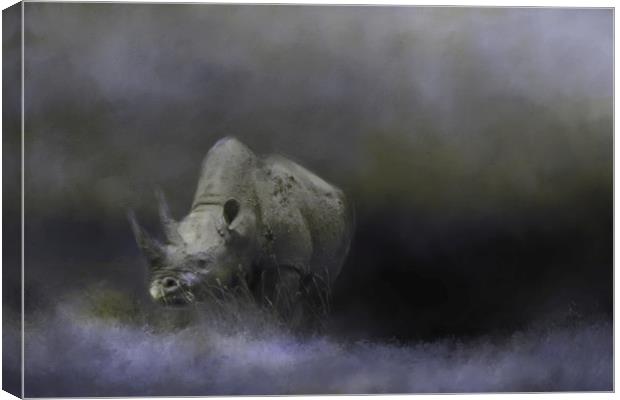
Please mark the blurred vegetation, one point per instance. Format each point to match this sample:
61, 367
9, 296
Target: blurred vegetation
102, 303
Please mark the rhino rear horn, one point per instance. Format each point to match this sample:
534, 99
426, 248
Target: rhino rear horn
171, 227
149, 246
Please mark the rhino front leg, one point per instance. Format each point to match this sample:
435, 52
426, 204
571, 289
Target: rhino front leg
288, 299
281, 289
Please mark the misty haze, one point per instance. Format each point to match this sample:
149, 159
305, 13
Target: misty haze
474, 143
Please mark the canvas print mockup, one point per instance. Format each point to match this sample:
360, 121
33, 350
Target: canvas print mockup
238, 199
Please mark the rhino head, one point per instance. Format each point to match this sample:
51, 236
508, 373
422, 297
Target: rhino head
208, 252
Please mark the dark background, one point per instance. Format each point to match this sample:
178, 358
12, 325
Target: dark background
476, 145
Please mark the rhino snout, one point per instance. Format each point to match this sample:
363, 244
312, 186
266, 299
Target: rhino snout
169, 290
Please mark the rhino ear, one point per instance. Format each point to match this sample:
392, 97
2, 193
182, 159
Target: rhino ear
149, 246
231, 210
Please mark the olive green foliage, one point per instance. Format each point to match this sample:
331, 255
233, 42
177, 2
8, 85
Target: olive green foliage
112, 305
516, 168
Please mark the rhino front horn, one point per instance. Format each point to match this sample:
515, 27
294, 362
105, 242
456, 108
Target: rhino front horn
171, 227
149, 246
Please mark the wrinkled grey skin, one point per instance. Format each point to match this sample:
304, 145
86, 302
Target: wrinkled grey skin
263, 222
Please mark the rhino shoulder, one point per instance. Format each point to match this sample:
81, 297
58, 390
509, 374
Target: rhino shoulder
291, 188
308, 219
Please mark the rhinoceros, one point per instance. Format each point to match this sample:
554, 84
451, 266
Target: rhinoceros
261, 222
